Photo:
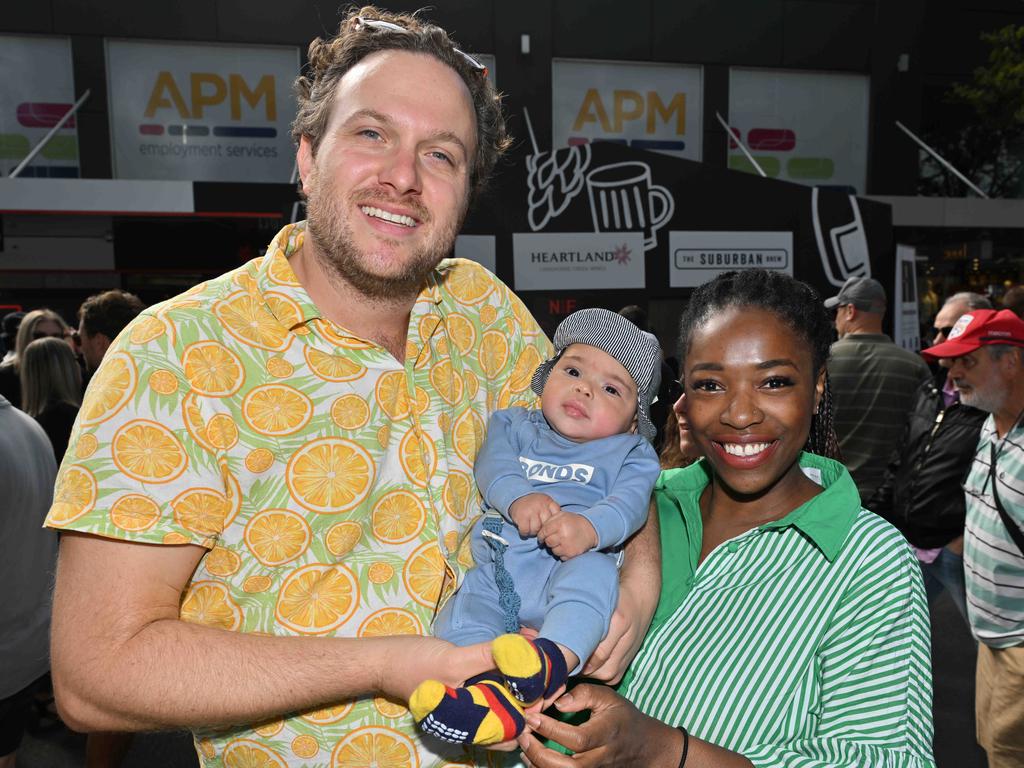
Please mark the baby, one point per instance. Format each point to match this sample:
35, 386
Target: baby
564, 488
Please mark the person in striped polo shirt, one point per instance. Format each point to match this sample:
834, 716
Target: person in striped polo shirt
992, 379
792, 628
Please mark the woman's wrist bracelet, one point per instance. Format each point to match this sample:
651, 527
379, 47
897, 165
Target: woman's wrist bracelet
686, 745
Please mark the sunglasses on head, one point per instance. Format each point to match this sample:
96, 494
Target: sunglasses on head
378, 24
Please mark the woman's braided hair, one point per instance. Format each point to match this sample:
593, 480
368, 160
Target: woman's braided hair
795, 303
330, 59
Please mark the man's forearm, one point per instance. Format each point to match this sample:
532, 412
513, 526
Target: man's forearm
123, 660
176, 674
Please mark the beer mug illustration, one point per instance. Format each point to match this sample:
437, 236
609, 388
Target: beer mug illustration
623, 199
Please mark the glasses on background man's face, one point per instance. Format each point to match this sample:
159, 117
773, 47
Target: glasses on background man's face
378, 24
941, 332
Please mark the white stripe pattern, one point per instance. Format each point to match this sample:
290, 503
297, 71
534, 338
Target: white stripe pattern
993, 565
786, 657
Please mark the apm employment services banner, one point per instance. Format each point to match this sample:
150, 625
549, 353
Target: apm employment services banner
201, 112
38, 90
807, 127
645, 106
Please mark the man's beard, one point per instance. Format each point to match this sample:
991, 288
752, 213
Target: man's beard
332, 234
987, 401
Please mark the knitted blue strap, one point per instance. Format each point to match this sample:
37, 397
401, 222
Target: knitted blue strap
508, 600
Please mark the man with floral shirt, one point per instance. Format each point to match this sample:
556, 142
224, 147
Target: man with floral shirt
268, 492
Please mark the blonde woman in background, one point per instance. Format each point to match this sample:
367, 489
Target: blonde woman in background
37, 324
51, 387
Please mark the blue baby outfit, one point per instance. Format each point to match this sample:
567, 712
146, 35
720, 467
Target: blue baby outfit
608, 481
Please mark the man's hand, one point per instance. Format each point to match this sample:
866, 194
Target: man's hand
415, 659
567, 535
531, 511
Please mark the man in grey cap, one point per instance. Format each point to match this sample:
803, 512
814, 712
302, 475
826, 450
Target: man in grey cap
564, 487
872, 380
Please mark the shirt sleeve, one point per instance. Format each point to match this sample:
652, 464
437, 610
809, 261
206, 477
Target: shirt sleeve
138, 465
499, 475
624, 510
874, 671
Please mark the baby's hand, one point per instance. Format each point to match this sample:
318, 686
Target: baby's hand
567, 535
531, 511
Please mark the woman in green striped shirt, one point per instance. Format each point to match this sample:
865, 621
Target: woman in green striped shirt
792, 628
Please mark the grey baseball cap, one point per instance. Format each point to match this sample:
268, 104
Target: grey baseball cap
637, 351
865, 293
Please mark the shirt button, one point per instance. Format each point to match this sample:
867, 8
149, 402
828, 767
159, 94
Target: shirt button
732, 547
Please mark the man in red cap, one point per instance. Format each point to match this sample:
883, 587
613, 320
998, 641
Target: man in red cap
992, 379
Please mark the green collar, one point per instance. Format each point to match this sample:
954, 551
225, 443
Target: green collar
825, 520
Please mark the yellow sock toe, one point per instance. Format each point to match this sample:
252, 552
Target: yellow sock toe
515, 656
425, 698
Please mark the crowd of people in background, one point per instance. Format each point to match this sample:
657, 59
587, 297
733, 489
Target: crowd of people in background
45, 369
904, 434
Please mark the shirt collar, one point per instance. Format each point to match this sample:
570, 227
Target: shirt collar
274, 274
825, 520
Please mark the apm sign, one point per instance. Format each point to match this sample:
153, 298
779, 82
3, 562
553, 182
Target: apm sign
201, 112
645, 106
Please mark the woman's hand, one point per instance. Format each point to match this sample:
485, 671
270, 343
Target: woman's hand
626, 632
617, 734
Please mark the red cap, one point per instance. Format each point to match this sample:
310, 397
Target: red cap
979, 328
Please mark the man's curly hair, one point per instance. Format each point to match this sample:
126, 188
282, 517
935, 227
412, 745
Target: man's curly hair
330, 59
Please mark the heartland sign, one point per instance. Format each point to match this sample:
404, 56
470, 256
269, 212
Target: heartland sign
551, 261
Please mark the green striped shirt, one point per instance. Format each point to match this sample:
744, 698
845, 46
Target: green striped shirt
803, 642
993, 565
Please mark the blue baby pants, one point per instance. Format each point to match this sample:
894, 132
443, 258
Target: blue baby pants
569, 602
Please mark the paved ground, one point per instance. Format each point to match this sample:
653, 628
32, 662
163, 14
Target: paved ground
953, 659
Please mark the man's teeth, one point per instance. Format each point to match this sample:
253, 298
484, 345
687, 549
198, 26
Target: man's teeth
394, 218
744, 449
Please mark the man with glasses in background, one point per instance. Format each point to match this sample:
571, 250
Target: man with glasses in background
272, 487
921, 493
985, 356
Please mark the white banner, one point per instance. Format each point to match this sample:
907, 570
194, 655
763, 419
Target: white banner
201, 112
906, 326
647, 106
696, 257
555, 261
38, 91
478, 248
808, 127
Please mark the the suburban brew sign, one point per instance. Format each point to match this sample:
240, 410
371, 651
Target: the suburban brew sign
697, 257
201, 112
